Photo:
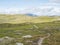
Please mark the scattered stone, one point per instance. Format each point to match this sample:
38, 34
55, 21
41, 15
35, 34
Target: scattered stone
7, 41
27, 36
19, 43
35, 26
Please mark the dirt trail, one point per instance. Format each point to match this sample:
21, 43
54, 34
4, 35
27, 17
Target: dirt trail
42, 39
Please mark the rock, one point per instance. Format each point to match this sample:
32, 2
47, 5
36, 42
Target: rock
7, 41
19, 43
27, 36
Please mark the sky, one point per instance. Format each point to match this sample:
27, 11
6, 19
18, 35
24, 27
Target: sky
37, 7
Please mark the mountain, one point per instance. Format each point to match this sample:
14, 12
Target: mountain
29, 14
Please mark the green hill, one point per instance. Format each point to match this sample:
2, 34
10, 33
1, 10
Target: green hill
18, 18
14, 18
14, 29
18, 31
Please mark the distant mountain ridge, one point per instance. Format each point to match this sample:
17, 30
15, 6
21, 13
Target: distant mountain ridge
30, 14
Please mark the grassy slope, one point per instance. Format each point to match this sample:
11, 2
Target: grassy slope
14, 30
24, 18
14, 18
44, 19
19, 30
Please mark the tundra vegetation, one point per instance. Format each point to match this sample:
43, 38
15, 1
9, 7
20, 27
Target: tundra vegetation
30, 33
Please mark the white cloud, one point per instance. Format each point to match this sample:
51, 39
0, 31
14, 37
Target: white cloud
55, 11
55, 1
42, 10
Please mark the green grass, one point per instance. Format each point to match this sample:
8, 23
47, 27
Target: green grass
16, 26
19, 18
13, 30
